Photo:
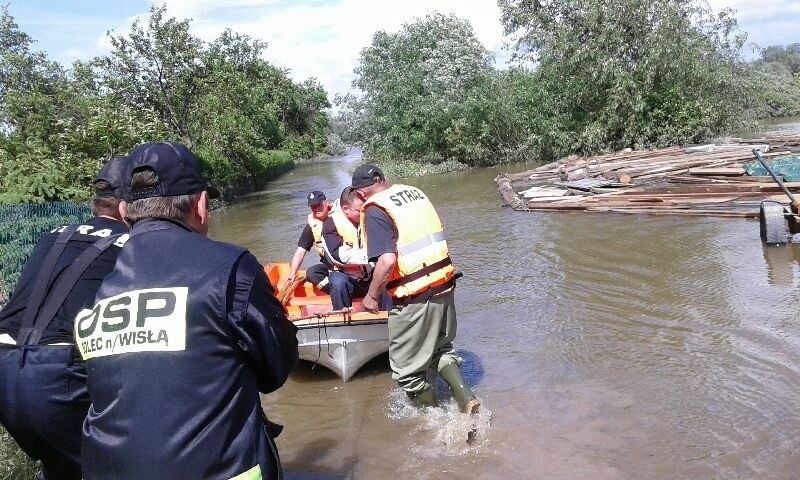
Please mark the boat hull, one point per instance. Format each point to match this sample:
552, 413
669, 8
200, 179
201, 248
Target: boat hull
343, 348
341, 342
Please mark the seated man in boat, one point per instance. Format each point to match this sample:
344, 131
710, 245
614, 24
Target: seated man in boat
311, 237
349, 277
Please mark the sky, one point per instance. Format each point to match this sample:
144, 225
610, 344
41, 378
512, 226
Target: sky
317, 38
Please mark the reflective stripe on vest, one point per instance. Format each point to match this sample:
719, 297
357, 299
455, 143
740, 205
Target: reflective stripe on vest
252, 474
421, 243
316, 230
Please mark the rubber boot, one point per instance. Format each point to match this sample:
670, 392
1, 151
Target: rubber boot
467, 402
425, 398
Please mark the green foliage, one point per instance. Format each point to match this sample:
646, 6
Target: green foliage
774, 83
335, 147
773, 95
633, 73
14, 463
404, 168
58, 126
260, 166
267, 165
591, 76
158, 67
781, 59
414, 85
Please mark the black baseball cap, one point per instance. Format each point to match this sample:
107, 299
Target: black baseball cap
177, 169
365, 175
113, 172
315, 198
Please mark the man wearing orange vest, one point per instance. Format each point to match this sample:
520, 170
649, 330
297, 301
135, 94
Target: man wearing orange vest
311, 237
349, 276
404, 236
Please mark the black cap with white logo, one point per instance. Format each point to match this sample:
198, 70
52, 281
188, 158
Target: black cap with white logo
315, 198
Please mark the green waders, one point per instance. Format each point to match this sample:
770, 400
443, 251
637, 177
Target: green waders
421, 337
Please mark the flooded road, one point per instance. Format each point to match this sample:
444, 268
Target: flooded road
604, 346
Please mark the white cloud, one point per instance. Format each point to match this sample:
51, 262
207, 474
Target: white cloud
323, 39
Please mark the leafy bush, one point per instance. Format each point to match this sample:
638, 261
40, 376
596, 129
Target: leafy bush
269, 164
221, 170
335, 146
773, 95
221, 99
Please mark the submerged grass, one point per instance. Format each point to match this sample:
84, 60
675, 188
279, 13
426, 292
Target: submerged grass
14, 463
402, 168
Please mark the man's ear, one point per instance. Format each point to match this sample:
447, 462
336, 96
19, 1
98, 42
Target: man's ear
122, 208
199, 214
202, 207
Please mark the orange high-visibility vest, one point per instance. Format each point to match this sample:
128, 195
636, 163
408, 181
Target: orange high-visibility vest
423, 260
349, 234
316, 230
344, 226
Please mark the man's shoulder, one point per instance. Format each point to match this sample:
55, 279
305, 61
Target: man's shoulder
376, 212
217, 245
89, 231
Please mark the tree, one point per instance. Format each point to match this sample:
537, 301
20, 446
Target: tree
57, 125
412, 85
787, 57
159, 67
632, 72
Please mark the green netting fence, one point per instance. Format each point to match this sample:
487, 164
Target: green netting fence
21, 226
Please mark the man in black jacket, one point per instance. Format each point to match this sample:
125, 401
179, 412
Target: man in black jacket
43, 396
184, 334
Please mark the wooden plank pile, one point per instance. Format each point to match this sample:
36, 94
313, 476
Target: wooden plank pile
696, 181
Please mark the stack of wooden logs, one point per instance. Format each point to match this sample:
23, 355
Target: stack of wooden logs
701, 180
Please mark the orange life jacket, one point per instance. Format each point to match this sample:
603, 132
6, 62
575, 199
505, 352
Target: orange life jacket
349, 234
423, 260
316, 230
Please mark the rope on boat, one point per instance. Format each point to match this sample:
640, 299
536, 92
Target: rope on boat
345, 313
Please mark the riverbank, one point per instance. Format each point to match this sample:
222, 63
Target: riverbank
409, 168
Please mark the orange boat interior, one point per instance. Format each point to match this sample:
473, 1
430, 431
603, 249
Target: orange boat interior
305, 299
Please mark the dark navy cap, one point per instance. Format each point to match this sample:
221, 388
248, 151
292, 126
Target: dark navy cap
114, 172
177, 169
315, 198
365, 175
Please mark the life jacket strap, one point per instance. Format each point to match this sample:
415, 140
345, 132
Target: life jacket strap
426, 295
428, 269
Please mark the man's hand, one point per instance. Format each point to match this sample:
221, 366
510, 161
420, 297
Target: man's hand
370, 304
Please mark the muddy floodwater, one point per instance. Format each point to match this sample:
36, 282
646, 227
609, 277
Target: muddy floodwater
604, 347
